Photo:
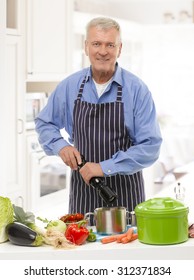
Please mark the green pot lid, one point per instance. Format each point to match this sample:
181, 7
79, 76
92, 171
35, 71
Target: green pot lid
160, 205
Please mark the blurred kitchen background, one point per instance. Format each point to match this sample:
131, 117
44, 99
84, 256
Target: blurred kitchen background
41, 42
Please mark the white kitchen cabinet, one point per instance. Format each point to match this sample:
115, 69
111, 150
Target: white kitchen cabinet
2, 93
49, 33
12, 111
15, 153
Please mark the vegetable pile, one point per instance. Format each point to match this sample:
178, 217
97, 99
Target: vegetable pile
20, 228
25, 232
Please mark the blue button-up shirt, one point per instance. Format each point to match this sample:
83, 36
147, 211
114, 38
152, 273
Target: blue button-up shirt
139, 114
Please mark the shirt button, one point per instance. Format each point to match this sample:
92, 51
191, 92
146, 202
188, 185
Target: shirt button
109, 171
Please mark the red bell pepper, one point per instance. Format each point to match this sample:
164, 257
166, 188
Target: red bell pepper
77, 233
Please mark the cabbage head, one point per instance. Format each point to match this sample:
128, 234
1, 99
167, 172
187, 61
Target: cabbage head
6, 217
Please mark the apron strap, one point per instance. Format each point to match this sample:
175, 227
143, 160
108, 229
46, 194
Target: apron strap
81, 89
119, 94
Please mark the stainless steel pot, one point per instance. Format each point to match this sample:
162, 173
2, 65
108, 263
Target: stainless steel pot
110, 220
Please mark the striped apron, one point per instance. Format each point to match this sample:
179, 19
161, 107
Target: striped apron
99, 132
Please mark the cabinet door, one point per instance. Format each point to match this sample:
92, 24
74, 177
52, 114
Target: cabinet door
3, 111
48, 24
15, 149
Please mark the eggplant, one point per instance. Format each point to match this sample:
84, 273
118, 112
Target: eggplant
22, 235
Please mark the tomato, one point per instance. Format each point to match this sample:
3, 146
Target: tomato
70, 218
79, 216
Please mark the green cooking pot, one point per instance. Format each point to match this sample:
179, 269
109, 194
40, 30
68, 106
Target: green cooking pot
162, 221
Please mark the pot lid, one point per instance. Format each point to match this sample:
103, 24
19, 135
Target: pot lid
160, 205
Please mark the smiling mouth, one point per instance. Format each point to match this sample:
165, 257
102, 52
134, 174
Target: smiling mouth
102, 59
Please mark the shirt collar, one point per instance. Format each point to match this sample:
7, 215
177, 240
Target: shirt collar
117, 77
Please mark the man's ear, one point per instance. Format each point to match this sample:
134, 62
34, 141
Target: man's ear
86, 47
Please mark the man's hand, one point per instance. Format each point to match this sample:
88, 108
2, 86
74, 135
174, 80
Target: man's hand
89, 170
71, 156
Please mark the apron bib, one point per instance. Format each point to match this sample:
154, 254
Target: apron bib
99, 132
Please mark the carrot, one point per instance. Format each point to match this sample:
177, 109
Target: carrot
128, 236
108, 239
134, 237
130, 232
127, 240
120, 236
116, 236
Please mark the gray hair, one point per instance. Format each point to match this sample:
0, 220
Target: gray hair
103, 23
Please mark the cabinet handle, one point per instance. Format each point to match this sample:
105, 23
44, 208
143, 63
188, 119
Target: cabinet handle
20, 126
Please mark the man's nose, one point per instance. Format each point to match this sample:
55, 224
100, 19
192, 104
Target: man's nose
103, 49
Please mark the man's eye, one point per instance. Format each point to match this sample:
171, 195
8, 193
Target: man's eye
111, 46
95, 44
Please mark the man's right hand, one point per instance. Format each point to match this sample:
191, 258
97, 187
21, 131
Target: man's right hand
71, 156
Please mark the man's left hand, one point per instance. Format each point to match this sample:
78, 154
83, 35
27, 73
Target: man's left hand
90, 170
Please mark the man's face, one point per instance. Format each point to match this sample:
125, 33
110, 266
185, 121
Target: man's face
103, 47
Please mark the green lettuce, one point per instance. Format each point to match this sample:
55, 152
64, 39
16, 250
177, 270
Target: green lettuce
6, 217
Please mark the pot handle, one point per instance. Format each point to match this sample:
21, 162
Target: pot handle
87, 216
132, 218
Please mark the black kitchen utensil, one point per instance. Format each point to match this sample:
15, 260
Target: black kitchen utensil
98, 183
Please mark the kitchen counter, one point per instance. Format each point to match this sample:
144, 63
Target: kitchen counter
115, 251
98, 251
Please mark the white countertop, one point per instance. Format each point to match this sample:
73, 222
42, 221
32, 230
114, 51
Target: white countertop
98, 251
